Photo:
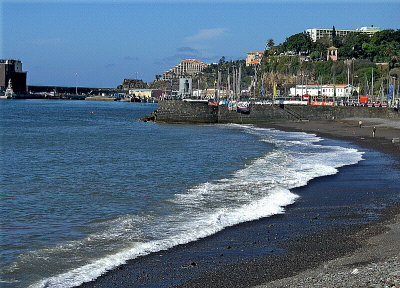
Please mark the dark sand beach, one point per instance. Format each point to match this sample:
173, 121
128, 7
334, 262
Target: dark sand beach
350, 130
376, 262
312, 244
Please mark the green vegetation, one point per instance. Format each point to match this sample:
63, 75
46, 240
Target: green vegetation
299, 60
383, 46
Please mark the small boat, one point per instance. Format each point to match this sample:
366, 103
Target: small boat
243, 107
232, 106
213, 103
135, 99
9, 93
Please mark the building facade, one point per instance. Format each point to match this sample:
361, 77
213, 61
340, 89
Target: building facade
12, 70
145, 94
186, 67
254, 58
325, 90
332, 53
318, 33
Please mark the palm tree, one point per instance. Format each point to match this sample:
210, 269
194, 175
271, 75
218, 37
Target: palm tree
270, 43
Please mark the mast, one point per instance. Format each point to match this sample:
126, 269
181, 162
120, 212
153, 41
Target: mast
239, 79
218, 86
372, 85
255, 81
229, 85
234, 82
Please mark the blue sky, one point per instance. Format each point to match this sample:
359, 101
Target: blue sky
107, 41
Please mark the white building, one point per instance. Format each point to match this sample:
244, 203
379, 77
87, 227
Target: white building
368, 30
184, 68
326, 90
318, 33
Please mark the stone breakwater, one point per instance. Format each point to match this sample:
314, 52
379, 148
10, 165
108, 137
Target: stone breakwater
172, 111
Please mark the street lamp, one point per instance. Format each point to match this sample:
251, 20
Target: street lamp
76, 83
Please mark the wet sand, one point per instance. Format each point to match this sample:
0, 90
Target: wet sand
349, 129
312, 254
377, 262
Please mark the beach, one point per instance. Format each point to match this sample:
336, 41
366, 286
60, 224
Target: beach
376, 263
311, 245
349, 129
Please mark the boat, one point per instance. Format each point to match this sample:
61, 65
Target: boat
243, 107
9, 93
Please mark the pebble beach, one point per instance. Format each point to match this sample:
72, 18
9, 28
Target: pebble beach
377, 262
350, 253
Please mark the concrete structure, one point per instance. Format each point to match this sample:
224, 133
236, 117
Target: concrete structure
12, 69
326, 90
185, 87
189, 112
184, 68
332, 53
254, 58
318, 33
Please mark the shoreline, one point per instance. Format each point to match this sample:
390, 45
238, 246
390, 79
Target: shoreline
325, 258
188, 263
349, 130
376, 263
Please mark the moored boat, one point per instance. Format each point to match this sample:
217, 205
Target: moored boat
9, 93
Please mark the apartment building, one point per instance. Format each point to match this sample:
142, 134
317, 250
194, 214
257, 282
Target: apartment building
318, 33
254, 58
186, 67
327, 90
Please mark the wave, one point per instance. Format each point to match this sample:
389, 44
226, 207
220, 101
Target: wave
260, 189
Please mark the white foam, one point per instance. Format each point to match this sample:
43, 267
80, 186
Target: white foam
260, 189
190, 231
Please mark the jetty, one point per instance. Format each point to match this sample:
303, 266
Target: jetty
177, 111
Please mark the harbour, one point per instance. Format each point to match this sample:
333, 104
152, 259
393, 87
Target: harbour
63, 174
232, 144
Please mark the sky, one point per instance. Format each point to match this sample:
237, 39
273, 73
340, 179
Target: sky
98, 43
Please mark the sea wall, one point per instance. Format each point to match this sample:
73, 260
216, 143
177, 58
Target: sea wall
193, 112
171, 111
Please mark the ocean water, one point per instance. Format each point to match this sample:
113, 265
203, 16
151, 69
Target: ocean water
86, 186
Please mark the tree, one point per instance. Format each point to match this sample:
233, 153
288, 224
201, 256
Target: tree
270, 43
335, 38
222, 60
314, 55
300, 42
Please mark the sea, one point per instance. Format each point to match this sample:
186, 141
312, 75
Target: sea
86, 186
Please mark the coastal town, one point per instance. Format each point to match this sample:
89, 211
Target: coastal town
307, 69
201, 144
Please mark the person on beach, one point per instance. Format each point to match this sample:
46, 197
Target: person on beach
360, 123
373, 131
